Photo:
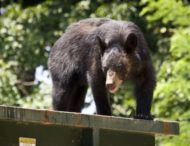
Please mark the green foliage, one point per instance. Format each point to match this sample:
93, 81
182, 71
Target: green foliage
8, 91
26, 31
174, 77
24, 36
169, 13
172, 95
173, 91
40, 98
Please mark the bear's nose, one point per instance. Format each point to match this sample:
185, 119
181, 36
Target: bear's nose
110, 77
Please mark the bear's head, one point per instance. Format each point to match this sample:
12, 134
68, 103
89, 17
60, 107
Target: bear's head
120, 58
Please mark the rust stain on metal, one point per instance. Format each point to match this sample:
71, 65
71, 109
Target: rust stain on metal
46, 117
78, 119
166, 128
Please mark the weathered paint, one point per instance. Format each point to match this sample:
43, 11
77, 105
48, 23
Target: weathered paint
88, 121
166, 128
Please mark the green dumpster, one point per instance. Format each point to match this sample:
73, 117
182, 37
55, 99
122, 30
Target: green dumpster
31, 127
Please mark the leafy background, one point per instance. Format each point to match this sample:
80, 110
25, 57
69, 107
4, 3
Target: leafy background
28, 29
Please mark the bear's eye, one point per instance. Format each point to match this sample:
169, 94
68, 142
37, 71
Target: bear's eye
113, 43
104, 68
118, 66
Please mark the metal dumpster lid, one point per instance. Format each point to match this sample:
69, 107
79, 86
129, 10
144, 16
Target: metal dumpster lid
88, 121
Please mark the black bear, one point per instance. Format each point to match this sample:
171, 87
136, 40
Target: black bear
101, 53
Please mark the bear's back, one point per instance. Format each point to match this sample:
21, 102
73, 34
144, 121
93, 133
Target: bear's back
86, 26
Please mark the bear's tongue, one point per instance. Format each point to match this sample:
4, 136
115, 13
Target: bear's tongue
111, 87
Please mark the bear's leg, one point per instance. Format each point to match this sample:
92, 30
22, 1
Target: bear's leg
100, 94
69, 93
143, 103
77, 98
144, 94
60, 97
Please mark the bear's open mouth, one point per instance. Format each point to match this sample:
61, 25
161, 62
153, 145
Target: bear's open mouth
112, 81
111, 87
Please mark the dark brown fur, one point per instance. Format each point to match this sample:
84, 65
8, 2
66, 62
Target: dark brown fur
86, 51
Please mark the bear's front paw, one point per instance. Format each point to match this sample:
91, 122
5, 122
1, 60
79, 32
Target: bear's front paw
144, 117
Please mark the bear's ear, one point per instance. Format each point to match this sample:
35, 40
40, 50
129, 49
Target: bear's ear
131, 43
102, 44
